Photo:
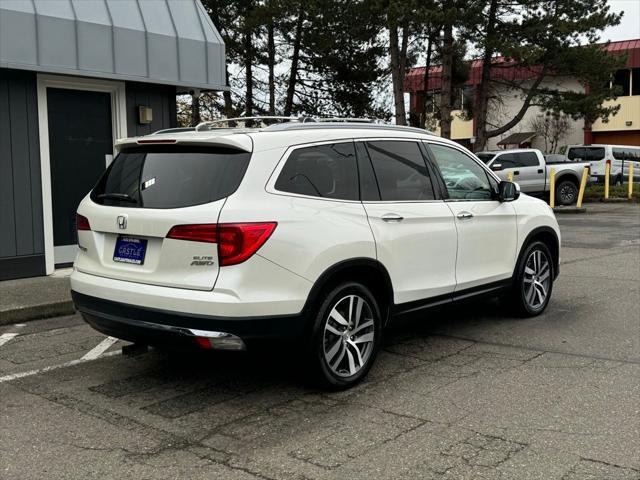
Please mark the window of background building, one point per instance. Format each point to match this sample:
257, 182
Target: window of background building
622, 80
635, 81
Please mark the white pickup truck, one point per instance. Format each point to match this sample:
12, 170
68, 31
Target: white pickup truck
531, 172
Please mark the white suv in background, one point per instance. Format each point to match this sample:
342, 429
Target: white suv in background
322, 232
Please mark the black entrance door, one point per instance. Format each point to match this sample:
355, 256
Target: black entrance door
80, 139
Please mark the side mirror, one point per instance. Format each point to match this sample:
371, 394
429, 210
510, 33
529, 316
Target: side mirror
508, 191
496, 167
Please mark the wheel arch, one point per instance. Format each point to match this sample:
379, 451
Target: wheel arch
549, 237
570, 176
368, 271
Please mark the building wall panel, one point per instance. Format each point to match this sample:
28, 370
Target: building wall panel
162, 99
21, 229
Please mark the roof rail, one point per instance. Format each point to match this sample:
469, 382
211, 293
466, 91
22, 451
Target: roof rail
345, 120
174, 130
271, 122
247, 122
343, 125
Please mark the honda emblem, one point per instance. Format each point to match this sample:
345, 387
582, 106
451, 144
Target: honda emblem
122, 222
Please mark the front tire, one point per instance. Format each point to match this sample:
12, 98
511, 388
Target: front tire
346, 336
534, 280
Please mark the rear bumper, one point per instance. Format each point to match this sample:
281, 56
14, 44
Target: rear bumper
161, 327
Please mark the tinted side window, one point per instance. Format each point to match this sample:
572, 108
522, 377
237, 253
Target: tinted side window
620, 154
463, 177
327, 171
528, 159
400, 170
596, 153
576, 154
508, 160
629, 153
485, 157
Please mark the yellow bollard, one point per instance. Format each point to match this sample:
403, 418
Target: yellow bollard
552, 187
583, 185
630, 180
607, 174
510, 176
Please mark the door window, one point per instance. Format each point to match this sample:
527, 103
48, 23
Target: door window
400, 170
528, 159
508, 160
325, 171
517, 160
464, 178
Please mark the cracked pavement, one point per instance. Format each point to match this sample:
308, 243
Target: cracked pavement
462, 392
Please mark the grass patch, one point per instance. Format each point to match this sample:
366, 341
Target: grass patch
595, 193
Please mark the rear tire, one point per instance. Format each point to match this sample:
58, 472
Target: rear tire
534, 281
566, 192
346, 336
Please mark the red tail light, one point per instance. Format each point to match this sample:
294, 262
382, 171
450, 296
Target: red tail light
236, 241
205, 232
82, 223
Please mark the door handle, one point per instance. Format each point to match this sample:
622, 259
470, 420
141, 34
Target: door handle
540, 171
516, 172
465, 215
392, 217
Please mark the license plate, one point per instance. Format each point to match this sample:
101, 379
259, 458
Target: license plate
130, 250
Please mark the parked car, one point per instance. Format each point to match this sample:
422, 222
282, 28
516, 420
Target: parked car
319, 233
531, 172
621, 156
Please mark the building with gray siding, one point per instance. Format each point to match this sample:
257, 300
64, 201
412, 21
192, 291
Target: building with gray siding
75, 75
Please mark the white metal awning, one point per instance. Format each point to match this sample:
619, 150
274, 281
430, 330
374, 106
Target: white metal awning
171, 42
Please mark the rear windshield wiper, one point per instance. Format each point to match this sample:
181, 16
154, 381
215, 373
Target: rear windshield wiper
117, 196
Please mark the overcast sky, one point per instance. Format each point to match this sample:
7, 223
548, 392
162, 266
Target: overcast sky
629, 25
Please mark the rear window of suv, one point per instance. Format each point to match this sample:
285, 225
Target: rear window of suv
170, 177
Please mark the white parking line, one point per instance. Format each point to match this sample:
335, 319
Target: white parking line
99, 349
15, 376
5, 337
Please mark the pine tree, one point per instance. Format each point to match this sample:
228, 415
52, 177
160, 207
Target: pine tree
544, 39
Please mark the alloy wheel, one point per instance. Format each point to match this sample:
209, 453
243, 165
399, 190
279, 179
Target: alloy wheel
348, 335
567, 193
537, 279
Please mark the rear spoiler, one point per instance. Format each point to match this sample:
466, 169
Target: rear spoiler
236, 142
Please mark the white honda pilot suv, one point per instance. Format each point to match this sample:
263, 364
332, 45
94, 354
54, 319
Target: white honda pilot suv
218, 238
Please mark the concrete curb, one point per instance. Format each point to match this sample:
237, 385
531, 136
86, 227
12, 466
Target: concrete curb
36, 312
616, 200
569, 210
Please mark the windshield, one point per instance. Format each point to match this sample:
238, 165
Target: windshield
170, 177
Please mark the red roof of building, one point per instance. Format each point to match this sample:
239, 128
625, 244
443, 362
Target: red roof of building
414, 80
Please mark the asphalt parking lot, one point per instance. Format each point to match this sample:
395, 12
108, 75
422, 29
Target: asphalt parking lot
465, 392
